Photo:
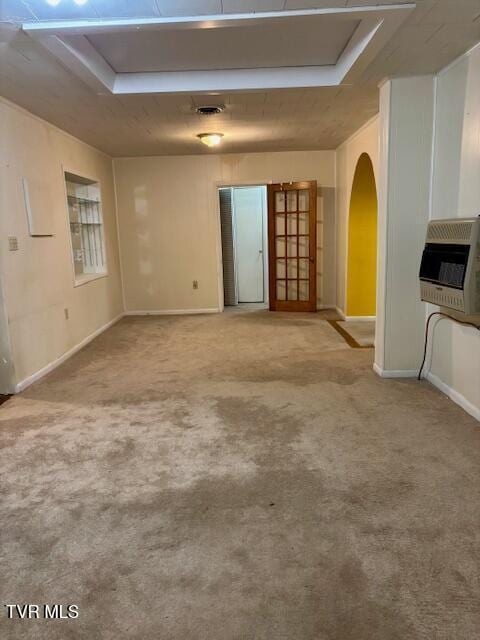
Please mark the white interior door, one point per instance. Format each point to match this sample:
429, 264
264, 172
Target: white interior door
249, 210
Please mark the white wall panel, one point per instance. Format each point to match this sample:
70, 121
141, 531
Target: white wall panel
403, 217
382, 222
7, 372
455, 355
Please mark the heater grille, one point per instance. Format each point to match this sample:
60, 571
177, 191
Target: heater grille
450, 231
443, 297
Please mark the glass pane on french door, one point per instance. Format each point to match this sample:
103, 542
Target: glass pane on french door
291, 228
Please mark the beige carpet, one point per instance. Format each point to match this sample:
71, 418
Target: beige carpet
238, 477
362, 331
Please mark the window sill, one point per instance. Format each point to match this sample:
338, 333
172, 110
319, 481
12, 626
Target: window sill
89, 277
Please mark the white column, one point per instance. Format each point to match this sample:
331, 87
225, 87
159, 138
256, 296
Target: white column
406, 134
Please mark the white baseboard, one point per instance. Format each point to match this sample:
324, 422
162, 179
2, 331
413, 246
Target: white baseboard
454, 395
342, 314
320, 307
394, 373
20, 386
172, 312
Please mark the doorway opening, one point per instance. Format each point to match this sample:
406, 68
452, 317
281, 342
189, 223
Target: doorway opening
362, 254
243, 223
362, 242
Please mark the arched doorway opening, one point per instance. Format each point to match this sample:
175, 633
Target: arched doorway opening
362, 242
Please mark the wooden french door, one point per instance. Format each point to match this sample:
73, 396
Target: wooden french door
292, 241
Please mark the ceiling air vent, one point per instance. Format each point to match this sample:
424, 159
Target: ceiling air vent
209, 110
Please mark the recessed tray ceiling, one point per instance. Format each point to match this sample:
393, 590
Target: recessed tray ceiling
248, 52
306, 42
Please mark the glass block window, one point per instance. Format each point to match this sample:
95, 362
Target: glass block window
86, 227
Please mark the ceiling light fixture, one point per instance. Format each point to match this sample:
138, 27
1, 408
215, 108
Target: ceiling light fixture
80, 2
210, 139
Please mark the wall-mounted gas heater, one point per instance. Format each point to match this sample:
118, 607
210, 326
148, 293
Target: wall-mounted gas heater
450, 270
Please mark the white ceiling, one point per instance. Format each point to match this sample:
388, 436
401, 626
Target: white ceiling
67, 9
316, 118
311, 42
222, 53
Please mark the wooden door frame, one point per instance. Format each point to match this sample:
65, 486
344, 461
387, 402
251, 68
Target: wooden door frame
293, 305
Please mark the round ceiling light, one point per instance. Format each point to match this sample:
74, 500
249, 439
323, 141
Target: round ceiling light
210, 139
209, 110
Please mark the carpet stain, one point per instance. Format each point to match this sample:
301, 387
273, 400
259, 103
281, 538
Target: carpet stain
240, 476
298, 372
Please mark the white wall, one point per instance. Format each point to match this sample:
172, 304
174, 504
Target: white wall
365, 140
38, 278
429, 168
456, 193
169, 222
7, 373
406, 126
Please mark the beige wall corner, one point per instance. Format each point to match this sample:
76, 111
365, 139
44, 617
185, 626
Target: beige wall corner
454, 358
38, 278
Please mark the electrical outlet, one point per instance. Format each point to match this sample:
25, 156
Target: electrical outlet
195, 284
12, 243
67, 315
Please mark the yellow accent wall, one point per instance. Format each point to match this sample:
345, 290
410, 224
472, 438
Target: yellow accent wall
362, 242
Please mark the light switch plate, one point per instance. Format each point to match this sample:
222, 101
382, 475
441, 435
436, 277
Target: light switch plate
12, 243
